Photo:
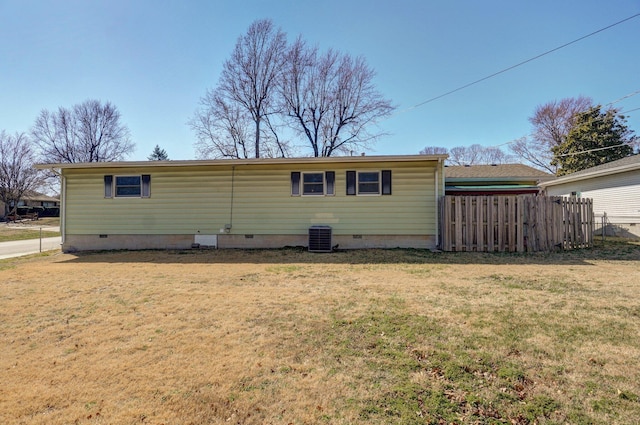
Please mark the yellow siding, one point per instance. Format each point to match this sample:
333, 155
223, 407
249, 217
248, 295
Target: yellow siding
188, 200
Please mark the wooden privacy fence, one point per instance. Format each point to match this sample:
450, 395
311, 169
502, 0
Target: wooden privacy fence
523, 223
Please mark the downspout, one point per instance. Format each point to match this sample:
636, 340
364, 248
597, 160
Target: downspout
233, 176
63, 204
63, 208
437, 203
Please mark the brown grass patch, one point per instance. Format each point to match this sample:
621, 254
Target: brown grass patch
252, 337
29, 229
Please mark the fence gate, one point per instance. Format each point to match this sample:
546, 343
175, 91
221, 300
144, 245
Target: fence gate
523, 223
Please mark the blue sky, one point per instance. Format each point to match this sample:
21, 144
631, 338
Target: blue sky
154, 59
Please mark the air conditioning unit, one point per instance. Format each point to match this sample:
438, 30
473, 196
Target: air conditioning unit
319, 239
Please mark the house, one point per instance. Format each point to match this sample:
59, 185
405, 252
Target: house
364, 202
33, 199
615, 190
502, 179
36, 199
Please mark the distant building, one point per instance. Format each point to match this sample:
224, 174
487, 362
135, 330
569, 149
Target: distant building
615, 190
502, 179
33, 199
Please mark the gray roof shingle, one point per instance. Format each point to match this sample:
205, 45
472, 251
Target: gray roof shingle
517, 171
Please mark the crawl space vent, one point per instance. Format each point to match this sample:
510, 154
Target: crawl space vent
319, 239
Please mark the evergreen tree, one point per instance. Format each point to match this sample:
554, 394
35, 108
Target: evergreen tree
158, 154
596, 138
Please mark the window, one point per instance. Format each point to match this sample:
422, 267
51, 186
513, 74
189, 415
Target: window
369, 182
127, 186
313, 184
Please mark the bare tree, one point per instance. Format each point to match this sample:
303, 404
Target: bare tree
551, 122
465, 155
250, 76
495, 155
17, 175
475, 154
223, 129
88, 132
330, 99
434, 150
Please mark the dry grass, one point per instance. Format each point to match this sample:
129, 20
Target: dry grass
253, 337
29, 229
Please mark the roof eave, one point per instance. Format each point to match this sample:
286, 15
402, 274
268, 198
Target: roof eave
233, 162
491, 179
570, 178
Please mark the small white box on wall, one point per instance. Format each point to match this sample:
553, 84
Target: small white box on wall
210, 241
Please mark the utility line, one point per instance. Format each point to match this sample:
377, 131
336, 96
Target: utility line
520, 64
596, 119
624, 97
595, 149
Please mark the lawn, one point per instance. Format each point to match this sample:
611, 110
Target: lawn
289, 337
29, 230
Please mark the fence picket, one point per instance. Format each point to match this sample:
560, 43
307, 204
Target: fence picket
491, 220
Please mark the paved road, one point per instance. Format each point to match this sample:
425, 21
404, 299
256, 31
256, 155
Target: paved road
29, 246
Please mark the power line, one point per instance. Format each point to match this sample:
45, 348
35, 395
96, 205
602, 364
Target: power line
595, 119
624, 97
595, 149
521, 63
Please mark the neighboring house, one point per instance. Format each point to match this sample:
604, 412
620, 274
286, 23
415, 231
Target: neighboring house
34, 199
503, 179
615, 190
382, 202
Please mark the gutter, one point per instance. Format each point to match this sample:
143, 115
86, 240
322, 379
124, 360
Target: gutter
437, 202
234, 162
63, 208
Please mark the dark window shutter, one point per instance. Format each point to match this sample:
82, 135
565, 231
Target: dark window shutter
386, 182
146, 185
351, 182
330, 176
108, 186
295, 183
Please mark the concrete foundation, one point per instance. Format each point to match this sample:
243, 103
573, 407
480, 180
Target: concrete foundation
74, 243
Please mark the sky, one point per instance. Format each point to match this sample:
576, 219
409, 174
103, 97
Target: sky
155, 59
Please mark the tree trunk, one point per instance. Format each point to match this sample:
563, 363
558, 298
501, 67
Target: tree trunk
258, 137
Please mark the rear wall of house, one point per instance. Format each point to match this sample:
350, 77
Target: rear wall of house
248, 206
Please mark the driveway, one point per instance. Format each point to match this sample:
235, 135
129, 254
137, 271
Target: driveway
29, 246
